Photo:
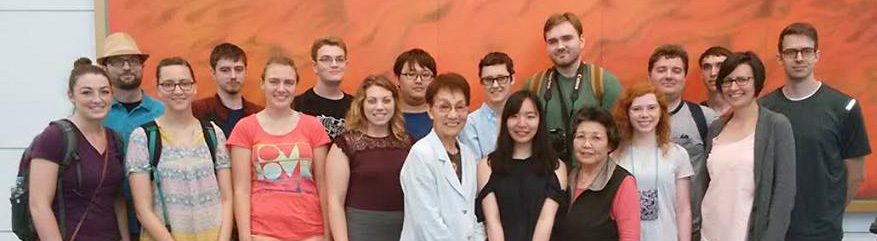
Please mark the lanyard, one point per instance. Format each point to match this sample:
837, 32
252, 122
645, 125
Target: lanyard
633, 162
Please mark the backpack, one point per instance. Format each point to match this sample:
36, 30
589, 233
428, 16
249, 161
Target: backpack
596, 75
22, 221
153, 140
699, 119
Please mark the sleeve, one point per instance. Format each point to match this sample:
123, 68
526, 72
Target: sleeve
611, 89
854, 138
341, 142
240, 135
223, 160
527, 83
487, 189
319, 136
682, 162
137, 157
419, 189
625, 210
556, 193
784, 180
49, 144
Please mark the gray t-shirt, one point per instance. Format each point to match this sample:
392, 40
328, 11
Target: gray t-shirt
683, 131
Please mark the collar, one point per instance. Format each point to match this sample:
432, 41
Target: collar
600, 180
491, 115
678, 107
146, 102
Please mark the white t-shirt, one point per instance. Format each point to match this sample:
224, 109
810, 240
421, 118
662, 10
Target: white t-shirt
655, 171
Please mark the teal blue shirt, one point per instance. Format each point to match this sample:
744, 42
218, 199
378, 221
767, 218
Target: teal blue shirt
122, 121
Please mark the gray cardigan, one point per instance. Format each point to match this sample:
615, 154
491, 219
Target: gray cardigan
774, 169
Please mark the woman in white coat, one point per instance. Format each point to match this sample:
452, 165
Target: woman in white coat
438, 177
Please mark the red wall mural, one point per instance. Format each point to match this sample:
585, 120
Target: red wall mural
619, 35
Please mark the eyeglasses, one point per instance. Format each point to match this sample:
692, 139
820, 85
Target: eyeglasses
447, 108
415, 75
119, 62
327, 60
502, 79
171, 86
741, 81
806, 53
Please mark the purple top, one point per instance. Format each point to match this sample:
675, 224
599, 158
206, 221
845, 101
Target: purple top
375, 164
100, 224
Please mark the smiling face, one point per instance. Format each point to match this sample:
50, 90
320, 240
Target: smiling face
330, 63
279, 85
497, 82
738, 88
644, 112
378, 106
564, 44
522, 126
125, 71
448, 112
91, 96
590, 143
668, 75
230, 75
413, 81
176, 87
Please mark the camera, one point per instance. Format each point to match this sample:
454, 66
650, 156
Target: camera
560, 143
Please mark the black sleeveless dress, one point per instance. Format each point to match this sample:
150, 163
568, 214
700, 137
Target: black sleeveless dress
520, 195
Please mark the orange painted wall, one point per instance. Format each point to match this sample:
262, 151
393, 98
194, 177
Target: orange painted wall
620, 35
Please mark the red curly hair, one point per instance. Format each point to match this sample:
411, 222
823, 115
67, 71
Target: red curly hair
621, 114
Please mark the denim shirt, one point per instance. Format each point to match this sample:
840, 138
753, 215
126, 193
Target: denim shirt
438, 206
480, 131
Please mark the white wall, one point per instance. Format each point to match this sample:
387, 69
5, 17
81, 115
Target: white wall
40, 40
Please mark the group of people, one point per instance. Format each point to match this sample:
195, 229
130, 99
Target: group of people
571, 156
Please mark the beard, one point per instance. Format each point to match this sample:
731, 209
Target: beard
563, 64
132, 85
231, 91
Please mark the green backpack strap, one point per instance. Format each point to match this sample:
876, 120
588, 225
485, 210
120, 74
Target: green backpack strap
70, 156
153, 144
209, 137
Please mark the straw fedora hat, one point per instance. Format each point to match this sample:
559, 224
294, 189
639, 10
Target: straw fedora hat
120, 43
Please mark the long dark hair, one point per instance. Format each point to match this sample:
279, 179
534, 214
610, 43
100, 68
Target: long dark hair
543, 153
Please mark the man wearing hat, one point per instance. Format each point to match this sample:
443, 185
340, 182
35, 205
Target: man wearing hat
132, 107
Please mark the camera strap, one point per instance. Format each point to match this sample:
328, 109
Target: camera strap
564, 108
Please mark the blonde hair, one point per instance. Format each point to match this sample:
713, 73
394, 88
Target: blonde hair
356, 122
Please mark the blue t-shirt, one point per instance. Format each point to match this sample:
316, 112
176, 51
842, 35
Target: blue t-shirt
417, 124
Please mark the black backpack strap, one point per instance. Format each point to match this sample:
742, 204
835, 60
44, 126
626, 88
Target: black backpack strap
699, 119
210, 138
70, 145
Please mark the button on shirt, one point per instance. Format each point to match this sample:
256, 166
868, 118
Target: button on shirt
481, 131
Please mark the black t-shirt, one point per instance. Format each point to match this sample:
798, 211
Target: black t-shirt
233, 117
828, 127
329, 112
130, 106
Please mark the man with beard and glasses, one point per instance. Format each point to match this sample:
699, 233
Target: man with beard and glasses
228, 63
571, 83
131, 107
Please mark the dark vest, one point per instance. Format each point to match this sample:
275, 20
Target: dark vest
588, 217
